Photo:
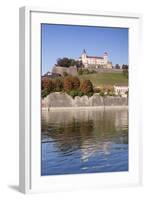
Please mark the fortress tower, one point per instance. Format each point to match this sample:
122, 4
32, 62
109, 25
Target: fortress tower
105, 57
84, 58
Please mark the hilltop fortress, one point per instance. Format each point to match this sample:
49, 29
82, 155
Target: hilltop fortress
95, 62
88, 62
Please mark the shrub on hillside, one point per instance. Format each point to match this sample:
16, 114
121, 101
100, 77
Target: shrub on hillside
86, 87
80, 93
97, 90
79, 64
109, 89
125, 73
93, 72
73, 93
102, 93
83, 71
65, 74
42, 86
44, 93
111, 94
58, 84
86, 71
80, 72
90, 94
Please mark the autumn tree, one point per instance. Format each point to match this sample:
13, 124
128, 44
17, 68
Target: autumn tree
47, 84
68, 83
71, 83
58, 84
86, 87
44, 83
75, 82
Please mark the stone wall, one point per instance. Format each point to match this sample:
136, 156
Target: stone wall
72, 70
108, 70
57, 99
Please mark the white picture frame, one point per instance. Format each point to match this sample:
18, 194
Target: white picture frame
29, 160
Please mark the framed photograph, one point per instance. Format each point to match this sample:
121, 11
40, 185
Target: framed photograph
79, 108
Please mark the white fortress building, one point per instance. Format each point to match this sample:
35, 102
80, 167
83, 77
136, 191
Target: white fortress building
95, 62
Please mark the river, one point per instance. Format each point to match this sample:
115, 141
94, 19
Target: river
84, 141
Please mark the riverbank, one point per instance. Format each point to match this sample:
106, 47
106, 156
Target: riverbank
59, 100
85, 108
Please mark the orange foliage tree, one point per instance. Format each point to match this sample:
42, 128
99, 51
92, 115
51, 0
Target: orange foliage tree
86, 86
47, 84
71, 83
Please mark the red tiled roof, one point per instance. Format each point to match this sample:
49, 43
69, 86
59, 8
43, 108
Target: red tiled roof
94, 57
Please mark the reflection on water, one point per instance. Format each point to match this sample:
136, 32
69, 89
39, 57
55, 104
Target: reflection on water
84, 141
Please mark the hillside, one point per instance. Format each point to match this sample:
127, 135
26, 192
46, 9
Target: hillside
103, 79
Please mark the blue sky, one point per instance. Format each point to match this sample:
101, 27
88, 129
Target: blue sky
60, 41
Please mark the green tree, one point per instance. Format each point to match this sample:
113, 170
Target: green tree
125, 66
73, 93
80, 72
117, 66
125, 70
72, 62
79, 64
66, 62
65, 74
44, 93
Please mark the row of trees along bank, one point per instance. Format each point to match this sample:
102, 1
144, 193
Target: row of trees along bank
73, 86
